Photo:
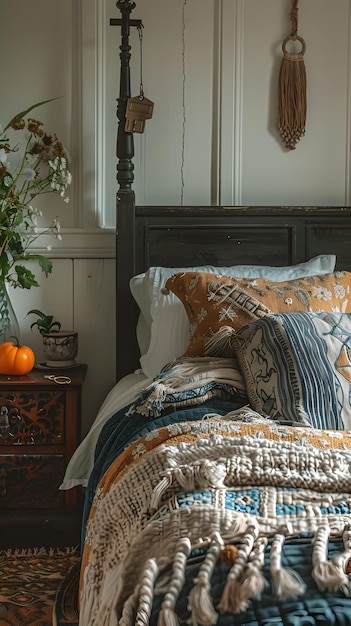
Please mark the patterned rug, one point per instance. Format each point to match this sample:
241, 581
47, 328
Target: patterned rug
30, 580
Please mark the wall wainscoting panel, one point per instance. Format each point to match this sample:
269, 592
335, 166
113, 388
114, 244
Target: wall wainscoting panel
80, 293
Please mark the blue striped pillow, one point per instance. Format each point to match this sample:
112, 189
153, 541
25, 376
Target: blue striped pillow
297, 366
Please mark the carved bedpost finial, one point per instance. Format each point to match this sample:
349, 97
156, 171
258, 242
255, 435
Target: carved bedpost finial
125, 142
123, 3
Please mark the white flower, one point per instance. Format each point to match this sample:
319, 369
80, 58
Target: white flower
29, 174
32, 162
56, 226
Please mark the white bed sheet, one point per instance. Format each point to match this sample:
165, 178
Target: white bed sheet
123, 393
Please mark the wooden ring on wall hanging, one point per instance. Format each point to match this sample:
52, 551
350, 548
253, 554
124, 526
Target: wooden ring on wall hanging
294, 38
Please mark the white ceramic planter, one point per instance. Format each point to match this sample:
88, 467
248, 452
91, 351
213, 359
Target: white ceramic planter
60, 348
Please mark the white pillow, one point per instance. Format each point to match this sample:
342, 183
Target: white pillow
163, 326
140, 289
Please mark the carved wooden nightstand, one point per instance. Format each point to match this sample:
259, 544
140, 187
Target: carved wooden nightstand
39, 431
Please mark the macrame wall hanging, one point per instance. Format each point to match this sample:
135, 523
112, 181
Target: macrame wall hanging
292, 87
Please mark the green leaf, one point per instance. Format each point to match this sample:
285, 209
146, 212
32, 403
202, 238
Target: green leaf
44, 322
34, 106
40, 313
44, 262
25, 278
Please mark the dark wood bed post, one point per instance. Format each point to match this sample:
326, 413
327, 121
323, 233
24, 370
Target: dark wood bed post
125, 205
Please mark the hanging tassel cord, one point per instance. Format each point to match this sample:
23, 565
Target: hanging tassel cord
292, 87
294, 16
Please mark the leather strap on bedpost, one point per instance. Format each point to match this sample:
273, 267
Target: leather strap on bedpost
292, 87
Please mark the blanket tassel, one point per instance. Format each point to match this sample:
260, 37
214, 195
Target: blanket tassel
159, 490
129, 608
287, 584
252, 582
201, 474
328, 575
228, 602
167, 616
343, 560
220, 343
100, 607
137, 608
200, 602
88, 598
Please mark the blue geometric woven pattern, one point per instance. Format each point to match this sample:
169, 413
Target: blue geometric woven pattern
261, 501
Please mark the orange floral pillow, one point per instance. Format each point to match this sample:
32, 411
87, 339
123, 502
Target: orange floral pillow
212, 301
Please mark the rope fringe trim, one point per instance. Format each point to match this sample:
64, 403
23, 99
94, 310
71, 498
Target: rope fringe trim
245, 580
287, 584
200, 601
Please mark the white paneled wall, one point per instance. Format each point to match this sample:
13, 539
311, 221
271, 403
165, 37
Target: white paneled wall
211, 67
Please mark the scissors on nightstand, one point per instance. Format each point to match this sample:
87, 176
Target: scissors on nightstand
60, 380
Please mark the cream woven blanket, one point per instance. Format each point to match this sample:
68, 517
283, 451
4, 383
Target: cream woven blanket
236, 481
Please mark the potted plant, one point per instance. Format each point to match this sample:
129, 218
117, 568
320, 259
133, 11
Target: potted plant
60, 346
32, 162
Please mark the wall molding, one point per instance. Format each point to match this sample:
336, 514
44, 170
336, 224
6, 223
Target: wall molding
238, 101
216, 156
76, 110
231, 112
92, 243
348, 119
100, 113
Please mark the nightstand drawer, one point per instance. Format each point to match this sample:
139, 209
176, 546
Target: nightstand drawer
32, 417
39, 431
31, 481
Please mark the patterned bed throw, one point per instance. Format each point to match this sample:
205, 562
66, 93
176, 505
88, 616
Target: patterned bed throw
230, 495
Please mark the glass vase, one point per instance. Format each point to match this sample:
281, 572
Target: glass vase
9, 327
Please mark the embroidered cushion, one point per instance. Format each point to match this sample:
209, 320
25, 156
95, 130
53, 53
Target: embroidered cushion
297, 367
159, 312
212, 301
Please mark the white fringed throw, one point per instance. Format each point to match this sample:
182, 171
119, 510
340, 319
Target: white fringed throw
201, 376
168, 493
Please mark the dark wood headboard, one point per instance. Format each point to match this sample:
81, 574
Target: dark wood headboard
199, 235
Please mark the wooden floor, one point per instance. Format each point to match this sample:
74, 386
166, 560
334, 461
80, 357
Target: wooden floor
44, 528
